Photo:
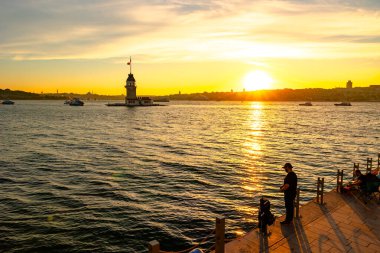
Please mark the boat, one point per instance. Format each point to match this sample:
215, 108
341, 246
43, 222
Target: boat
343, 104
7, 102
76, 102
306, 104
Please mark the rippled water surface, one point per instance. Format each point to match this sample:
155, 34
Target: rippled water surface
110, 179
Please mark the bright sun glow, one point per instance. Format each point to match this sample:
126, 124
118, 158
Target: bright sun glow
257, 80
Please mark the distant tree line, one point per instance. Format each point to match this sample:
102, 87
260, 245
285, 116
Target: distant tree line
359, 94
22, 95
17, 94
364, 94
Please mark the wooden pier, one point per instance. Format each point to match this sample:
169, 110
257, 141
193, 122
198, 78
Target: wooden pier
342, 224
333, 222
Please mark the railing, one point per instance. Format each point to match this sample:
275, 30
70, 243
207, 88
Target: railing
369, 166
320, 188
356, 167
339, 181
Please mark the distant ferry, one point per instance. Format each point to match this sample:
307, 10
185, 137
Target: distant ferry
7, 102
306, 104
343, 104
76, 102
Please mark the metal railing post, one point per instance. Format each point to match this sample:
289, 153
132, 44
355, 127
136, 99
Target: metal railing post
356, 167
369, 165
298, 203
320, 186
323, 185
318, 192
154, 247
339, 181
220, 229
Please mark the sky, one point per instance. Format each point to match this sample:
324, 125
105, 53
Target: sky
187, 46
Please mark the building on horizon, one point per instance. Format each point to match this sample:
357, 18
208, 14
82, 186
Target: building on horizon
349, 84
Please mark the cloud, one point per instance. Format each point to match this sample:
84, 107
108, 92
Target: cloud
65, 28
354, 38
179, 30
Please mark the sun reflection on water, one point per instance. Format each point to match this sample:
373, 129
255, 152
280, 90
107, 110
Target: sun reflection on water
252, 150
252, 144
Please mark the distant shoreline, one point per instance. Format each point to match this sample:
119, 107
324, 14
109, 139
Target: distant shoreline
359, 94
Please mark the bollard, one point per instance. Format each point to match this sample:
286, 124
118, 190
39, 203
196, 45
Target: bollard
219, 234
356, 167
298, 203
154, 247
339, 181
369, 165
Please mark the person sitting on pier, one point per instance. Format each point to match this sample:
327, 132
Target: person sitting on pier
265, 216
361, 180
368, 185
372, 183
290, 191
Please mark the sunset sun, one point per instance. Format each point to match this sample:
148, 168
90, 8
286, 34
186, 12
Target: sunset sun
257, 80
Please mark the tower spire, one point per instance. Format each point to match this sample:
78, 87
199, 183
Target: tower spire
130, 65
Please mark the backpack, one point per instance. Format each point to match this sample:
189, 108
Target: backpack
271, 218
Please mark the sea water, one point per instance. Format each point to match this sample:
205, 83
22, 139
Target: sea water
111, 179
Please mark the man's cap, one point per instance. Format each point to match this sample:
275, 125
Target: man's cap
287, 166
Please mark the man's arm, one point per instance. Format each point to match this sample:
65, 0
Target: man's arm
284, 187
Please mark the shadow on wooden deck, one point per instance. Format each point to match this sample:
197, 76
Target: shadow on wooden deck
343, 224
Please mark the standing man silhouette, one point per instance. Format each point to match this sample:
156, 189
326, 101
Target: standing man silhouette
290, 191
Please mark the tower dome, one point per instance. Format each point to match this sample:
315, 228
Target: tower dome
131, 78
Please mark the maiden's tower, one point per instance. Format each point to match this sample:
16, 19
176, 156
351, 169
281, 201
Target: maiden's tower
131, 99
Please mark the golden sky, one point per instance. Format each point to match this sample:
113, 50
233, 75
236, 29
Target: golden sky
187, 46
